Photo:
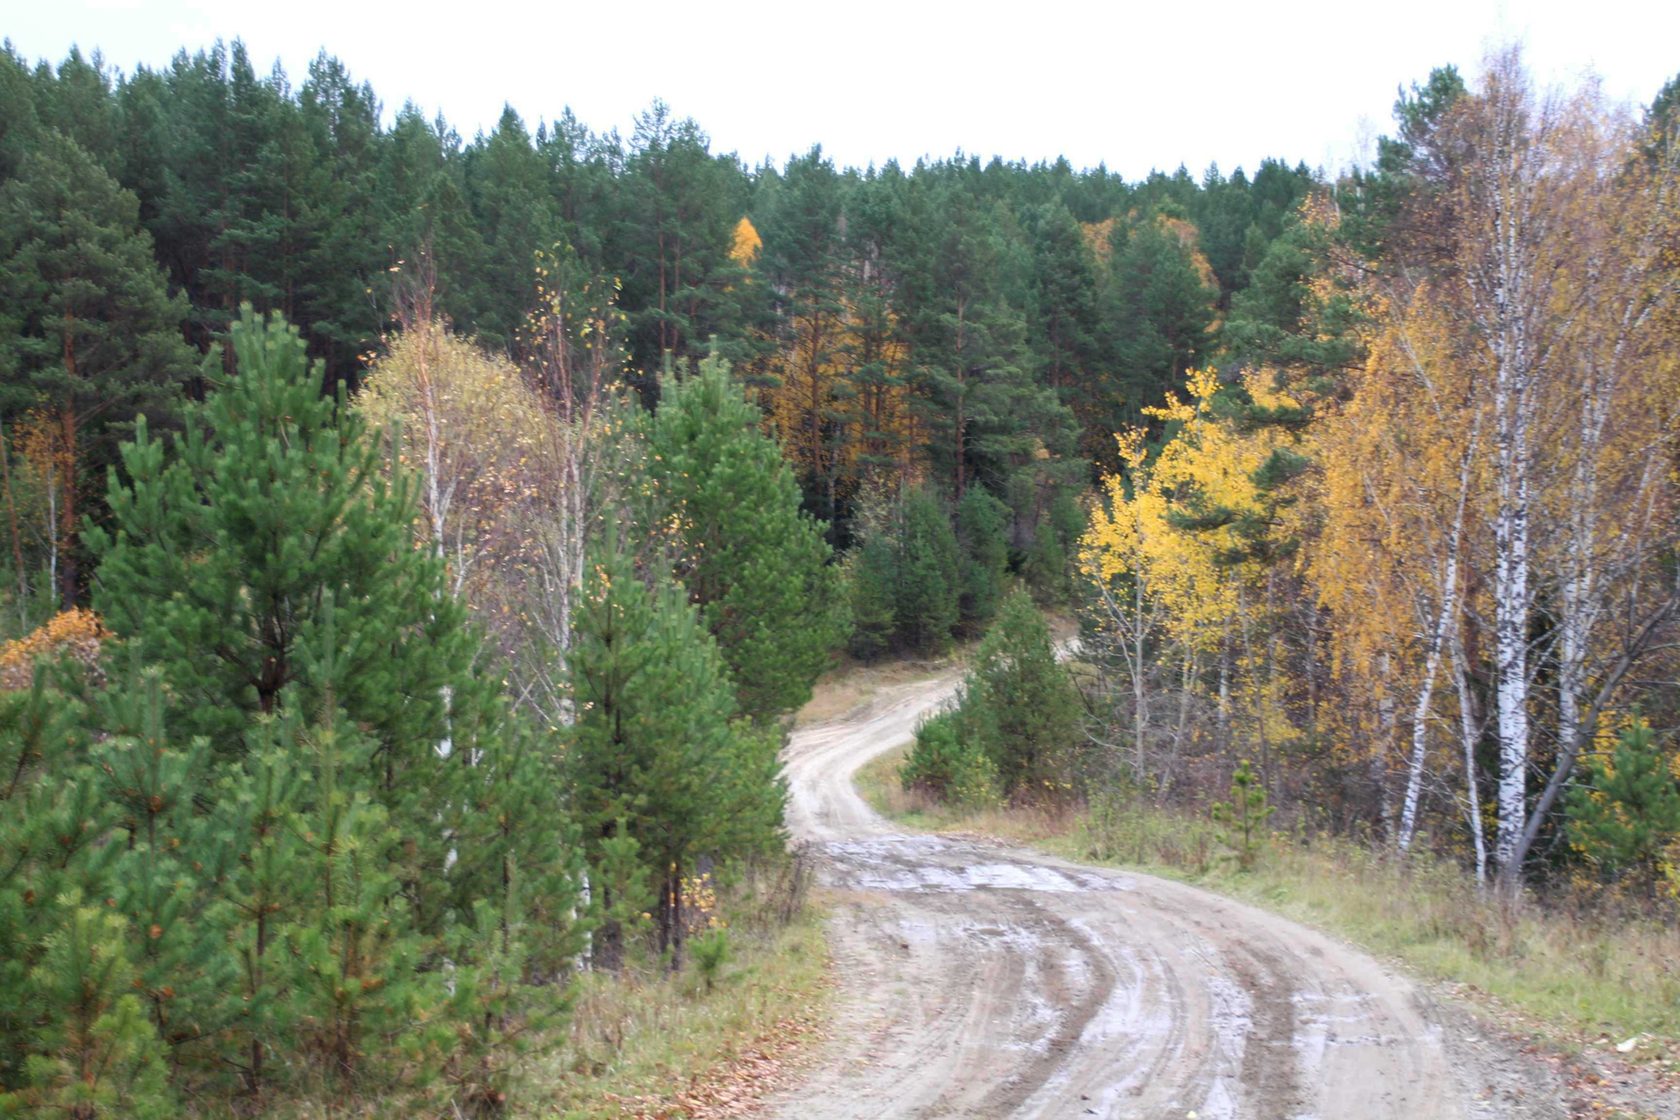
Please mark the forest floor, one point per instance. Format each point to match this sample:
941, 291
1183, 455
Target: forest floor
978, 977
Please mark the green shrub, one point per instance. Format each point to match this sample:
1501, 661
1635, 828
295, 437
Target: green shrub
1023, 705
1244, 816
1624, 816
711, 951
949, 765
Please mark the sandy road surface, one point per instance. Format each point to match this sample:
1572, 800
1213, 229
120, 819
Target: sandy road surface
981, 980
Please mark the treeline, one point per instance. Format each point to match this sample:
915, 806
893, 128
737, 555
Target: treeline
954, 323
1411, 546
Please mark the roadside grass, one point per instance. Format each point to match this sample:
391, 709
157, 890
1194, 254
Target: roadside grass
650, 1043
1569, 971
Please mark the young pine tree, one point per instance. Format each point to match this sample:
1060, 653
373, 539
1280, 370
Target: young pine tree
225, 560
1024, 704
654, 753
1625, 817
53, 824
96, 1054
164, 880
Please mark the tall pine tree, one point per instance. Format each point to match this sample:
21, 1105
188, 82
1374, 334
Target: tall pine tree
89, 335
754, 564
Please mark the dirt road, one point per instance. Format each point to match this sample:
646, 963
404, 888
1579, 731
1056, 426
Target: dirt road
981, 980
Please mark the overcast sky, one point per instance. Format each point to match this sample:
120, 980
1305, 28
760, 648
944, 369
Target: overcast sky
1133, 85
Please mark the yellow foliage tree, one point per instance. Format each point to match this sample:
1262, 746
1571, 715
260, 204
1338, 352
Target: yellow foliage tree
76, 633
1167, 533
474, 434
745, 244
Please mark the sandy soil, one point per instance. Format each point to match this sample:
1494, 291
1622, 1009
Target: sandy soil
982, 980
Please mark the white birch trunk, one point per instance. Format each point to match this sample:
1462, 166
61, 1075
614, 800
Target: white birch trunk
1469, 733
1446, 617
1420, 713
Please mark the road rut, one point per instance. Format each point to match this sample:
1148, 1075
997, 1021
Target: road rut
985, 980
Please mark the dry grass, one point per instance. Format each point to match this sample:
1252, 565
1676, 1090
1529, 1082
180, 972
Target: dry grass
648, 1043
1568, 971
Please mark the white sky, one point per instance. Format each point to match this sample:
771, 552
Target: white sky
1134, 85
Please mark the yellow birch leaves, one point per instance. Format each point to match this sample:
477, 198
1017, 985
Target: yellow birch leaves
1137, 530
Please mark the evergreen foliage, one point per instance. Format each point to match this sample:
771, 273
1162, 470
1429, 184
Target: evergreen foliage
293, 875
871, 575
755, 565
981, 526
282, 823
1244, 816
927, 605
947, 765
1016, 728
89, 335
656, 753
1624, 816
1161, 311
1023, 706
271, 512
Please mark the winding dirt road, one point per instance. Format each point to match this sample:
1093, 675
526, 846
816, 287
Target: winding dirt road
982, 980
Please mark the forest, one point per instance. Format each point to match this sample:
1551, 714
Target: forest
416, 547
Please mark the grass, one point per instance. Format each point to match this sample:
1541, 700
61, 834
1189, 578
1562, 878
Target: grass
1567, 972
653, 1044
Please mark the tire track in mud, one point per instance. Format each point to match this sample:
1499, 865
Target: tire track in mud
983, 980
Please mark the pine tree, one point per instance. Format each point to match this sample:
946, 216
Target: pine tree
981, 524
674, 229
755, 565
89, 334
98, 1055
271, 563
53, 824
19, 121
171, 858
352, 950
1245, 815
345, 258
510, 195
926, 608
423, 215
1064, 323
1625, 816
872, 585
653, 753
1161, 298
813, 402
1021, 701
